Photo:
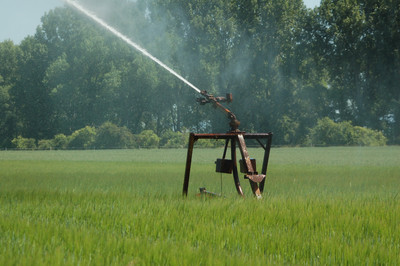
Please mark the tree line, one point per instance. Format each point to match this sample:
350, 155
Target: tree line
107, 136
110, 136
290, 69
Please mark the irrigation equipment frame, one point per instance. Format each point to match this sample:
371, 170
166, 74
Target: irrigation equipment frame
247, 165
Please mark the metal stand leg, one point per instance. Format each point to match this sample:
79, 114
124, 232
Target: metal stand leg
234, 168
265, 161
188, 164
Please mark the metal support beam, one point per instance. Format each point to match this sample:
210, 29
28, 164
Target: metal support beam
267, 150
188, 163
234, 169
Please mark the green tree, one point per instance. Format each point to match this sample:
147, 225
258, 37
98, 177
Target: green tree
9, 54
171, 139
60, 142
6, 115
45, 144
111, 136
34, 108
24, 143
83, 138
360, 45
287, 67
147, 139
327, 132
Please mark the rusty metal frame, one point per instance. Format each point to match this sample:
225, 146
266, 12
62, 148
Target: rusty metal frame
257, 181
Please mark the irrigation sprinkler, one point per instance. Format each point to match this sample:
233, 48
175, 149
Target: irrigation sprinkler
234, 137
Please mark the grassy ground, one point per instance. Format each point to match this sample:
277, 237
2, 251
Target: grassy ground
321, 205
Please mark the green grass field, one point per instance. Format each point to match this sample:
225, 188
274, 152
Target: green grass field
124, 207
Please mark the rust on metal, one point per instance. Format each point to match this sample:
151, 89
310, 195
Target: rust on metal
233, 137
216, 101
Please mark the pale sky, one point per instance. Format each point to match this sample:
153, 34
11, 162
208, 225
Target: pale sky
19, 18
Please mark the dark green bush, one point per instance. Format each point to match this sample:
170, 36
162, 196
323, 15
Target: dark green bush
327, 132
24, 143
210, 143
83, 138
368, 137
171, 139
45, 144
111, 136
147, 139
60, 142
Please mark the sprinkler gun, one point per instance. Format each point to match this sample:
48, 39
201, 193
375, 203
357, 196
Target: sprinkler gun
216, 101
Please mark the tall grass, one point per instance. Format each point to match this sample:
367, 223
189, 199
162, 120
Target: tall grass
321, 205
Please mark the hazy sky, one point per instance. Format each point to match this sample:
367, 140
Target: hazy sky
19, 18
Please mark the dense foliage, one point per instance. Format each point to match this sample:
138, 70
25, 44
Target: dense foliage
110, 136
327, 132
287, 66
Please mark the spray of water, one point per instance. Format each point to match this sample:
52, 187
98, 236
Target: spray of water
129, 41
